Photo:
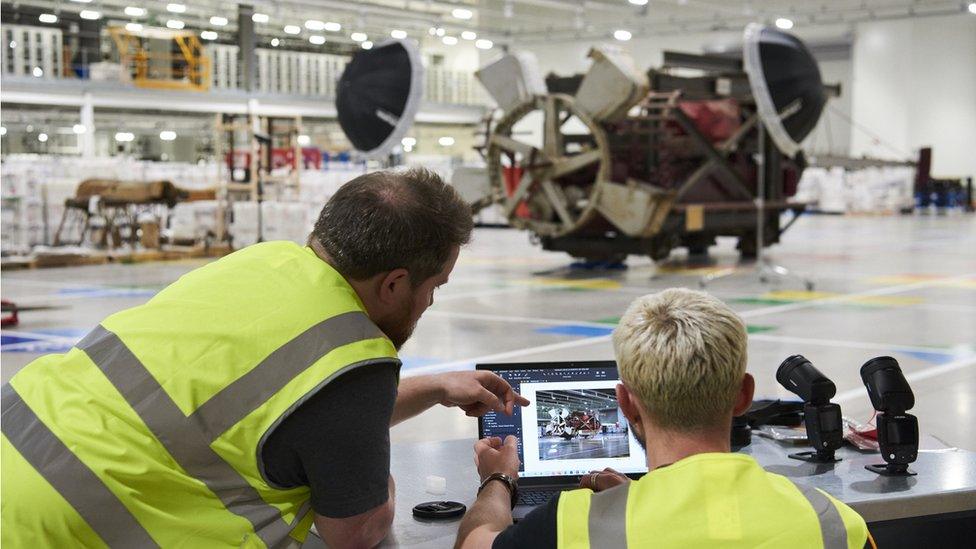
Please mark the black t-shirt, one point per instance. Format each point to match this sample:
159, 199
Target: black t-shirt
536, 531
338, 443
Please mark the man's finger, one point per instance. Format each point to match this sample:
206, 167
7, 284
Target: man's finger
511, 441
490, 399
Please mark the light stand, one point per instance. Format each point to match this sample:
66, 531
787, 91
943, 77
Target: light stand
765, 269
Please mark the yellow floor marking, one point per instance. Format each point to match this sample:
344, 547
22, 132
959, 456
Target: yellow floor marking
573, 284
969, 284
881, 300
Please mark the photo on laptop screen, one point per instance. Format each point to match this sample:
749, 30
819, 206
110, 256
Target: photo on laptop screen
573, 423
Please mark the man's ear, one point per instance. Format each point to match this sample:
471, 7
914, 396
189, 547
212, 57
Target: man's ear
743, 400
628, 404
393, 286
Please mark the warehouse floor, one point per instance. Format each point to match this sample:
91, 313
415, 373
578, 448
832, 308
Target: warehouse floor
899, 286
598, 446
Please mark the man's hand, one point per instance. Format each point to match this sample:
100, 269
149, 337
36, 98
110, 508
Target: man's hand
491, 455
478, 392
602, 480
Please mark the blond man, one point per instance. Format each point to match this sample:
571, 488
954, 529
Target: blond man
682, 361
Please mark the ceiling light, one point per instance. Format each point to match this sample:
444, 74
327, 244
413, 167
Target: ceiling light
449, 40
124, 137
47, 18
358, 36
3, 130
260, 18
167, 135
639, 2
367, 45
79, 129
37, 72
91, 15
133, 27
42, 137
317, 39
439, 31
408, 141
175, 24
407, 148
398, 34
293, 29
275, 42
432, 31
218, 21
484, 44
332, 26
469, 35
784, 23
622, 35
462, 13
972, 8
82, 1
445, 141
304, 140
133, 11
208, 35
13, 44
175, 8
314, 25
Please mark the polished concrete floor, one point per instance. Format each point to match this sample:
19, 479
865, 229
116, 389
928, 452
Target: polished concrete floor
899, 286
599, 446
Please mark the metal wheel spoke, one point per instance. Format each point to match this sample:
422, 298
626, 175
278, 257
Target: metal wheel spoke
558, 201
569, 164
552, 138
509, 144
519, 194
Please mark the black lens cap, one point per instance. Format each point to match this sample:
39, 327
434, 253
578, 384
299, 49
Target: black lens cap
439, 509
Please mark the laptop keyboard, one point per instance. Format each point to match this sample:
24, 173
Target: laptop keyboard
536, 496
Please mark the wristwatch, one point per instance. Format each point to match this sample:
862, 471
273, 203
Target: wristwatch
510, 483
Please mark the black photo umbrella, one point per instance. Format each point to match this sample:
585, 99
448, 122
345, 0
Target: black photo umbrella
379, 95
785, 82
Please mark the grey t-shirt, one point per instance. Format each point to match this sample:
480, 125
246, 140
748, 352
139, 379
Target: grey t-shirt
338, 443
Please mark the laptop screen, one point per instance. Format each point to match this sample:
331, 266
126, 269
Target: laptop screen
573, 424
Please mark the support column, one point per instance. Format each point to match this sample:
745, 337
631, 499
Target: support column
246, 41
86, 140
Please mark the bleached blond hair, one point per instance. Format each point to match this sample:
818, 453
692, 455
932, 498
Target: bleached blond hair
683, 353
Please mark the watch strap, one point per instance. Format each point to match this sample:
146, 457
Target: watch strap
508, 481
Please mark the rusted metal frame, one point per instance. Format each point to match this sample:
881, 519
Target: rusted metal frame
725, 171
726, 147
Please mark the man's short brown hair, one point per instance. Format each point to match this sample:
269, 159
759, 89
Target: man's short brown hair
393, 219
683, 353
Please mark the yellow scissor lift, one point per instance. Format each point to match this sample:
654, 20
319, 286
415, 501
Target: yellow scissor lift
151, 64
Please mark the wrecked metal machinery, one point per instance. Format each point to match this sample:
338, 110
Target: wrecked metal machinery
618, 162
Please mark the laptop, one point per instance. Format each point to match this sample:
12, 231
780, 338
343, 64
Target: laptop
572, 426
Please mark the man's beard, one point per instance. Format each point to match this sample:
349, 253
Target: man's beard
640, 440
400, 328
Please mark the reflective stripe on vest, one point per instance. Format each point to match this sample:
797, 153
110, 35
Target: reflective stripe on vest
76, 483
184, 439
187, 439
607, 522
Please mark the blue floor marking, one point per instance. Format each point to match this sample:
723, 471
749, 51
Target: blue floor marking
576, 330
934, 357
418, 361
99, 291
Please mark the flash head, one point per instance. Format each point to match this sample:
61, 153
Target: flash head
887, 386
799, 376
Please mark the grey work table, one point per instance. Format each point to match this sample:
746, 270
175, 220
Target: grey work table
945, 484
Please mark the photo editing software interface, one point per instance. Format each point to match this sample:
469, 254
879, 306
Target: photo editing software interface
573, 424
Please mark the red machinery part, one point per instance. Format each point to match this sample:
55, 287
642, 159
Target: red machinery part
9, 317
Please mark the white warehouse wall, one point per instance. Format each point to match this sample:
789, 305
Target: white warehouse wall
915, 85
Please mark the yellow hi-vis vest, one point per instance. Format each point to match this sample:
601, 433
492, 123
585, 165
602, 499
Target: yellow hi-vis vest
707, 500
149, 432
